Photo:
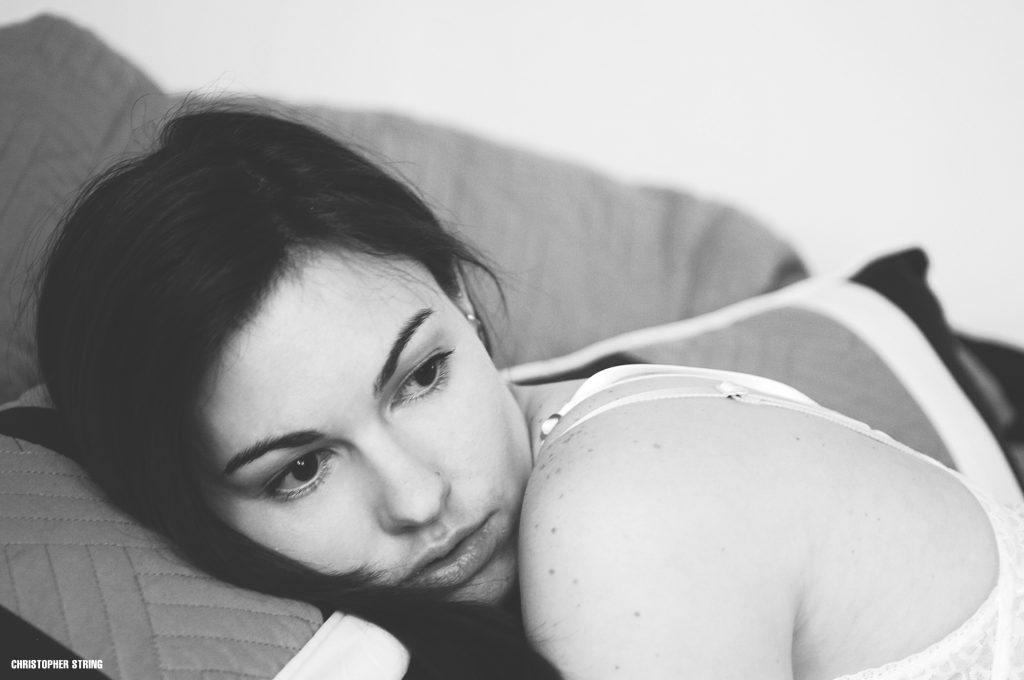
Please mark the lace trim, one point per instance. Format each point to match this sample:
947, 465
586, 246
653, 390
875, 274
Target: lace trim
968, 652
976, 631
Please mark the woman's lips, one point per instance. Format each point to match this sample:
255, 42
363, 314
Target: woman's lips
462, 561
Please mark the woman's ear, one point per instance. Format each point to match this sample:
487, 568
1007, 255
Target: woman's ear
465, 304
462, 299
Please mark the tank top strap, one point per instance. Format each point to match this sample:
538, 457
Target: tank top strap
700, 382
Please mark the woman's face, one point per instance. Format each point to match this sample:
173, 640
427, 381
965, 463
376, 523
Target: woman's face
358, 423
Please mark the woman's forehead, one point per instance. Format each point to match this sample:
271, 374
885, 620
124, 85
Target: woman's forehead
351, 304
360, 279
332, 322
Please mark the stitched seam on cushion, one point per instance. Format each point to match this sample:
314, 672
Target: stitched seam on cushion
222, 638
22, 451
149, 616
10, 577
201, 577
82, 544
106, 609
276, 615
206, 671
315, 623
50, 473
60, 596
21, 444
102, 520
43, 494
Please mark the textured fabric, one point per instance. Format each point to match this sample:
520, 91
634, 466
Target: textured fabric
989, 645
107, 589
69, 105
972, 651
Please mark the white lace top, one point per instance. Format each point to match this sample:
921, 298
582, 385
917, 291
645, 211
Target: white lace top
987, 646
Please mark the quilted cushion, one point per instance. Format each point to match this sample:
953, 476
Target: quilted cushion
108, 589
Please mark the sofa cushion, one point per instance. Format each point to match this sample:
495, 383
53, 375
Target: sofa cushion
106, 588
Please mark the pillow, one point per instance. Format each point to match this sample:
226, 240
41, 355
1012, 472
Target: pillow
850, 348
92, 579
86, 581
576, 248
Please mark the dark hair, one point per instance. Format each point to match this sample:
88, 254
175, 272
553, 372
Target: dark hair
160, 261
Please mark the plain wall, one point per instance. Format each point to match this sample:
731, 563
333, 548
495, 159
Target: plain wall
851, 128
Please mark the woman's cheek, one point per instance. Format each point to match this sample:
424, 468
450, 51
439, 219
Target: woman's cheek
329, 530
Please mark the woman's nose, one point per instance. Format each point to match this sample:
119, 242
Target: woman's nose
413, 492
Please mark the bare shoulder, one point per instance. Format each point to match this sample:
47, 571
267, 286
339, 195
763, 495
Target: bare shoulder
694, 536
667, 502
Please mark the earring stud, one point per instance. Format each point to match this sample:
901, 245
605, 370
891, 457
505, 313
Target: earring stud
477, 324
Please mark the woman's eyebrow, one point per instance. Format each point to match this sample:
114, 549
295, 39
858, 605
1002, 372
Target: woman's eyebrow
403, 338
292, 440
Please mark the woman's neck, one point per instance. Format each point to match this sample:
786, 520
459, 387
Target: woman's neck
538, 402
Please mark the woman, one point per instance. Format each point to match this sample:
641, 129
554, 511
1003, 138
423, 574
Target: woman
264, 347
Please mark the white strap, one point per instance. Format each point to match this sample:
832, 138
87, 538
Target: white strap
620, 375
908, 354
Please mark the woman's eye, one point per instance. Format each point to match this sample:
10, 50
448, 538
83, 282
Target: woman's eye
301, 476
304, 469
427, 377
